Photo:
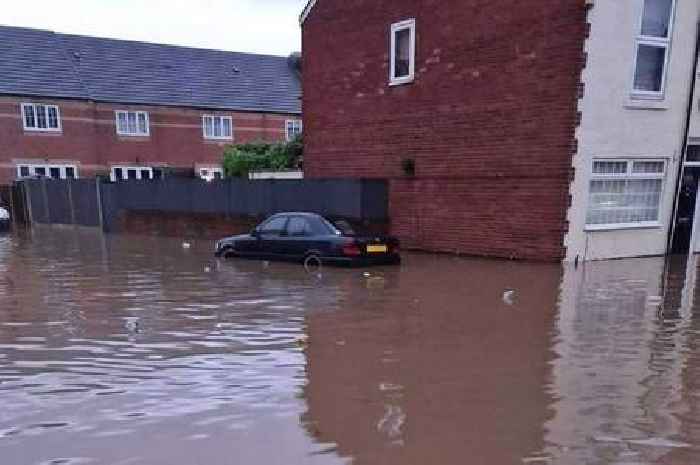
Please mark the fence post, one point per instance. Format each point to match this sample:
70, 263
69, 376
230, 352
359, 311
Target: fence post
98, 193
47, 216
26, 193
70, 202
13, 210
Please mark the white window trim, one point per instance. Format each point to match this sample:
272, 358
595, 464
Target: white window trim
47, 129
409, 24
124, 168
211, 170
286, 128
212, 137
627, 175
664, 42
132, 134
47, 166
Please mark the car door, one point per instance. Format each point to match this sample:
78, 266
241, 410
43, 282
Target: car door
299, 238
270, 237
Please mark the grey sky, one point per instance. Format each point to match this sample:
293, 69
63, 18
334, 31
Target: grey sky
258, 26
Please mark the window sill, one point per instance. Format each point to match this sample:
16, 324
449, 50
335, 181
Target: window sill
622, 226
43, 131
218, 139
642, 103
135, 137
401, 82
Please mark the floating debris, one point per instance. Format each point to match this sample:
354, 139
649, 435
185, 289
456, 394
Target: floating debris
509, 296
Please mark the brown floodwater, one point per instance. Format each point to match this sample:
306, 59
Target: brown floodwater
131, 350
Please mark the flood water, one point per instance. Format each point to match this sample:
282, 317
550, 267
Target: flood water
132, 350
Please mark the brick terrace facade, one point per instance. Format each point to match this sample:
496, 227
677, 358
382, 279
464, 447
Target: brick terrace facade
489, 120
89, 138
166, 90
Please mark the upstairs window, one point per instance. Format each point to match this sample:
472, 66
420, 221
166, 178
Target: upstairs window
39, 117
294, 127
652, 48
132, 123
403, 52
625, 193
217, 127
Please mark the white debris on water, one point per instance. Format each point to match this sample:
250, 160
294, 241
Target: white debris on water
509, 296
186, 245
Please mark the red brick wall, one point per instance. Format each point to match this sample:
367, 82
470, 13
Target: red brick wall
489, 120
89, 136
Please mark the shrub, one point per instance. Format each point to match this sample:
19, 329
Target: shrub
241, 159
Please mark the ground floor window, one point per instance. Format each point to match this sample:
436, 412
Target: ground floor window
211, 173
625, 193
53, 171
140, 173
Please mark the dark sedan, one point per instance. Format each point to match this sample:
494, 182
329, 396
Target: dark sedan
308, 236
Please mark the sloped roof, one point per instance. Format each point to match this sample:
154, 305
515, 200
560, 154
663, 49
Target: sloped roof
44, 63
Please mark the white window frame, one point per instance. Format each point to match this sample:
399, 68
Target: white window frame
210, 171
125, 168
660, 42
132, 134
293, 123
47, 167
629, 174
212, 136
46, 107
394, 80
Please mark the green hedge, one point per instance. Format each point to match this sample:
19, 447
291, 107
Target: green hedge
241, 159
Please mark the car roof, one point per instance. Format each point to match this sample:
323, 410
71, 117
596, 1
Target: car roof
308, 214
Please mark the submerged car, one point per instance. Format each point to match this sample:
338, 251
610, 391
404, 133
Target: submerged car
309, 236
4, 219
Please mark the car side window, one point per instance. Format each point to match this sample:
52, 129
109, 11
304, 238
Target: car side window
298, 226
274, 227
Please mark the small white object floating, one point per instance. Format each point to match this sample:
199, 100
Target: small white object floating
207, 269
508, 296
186, 245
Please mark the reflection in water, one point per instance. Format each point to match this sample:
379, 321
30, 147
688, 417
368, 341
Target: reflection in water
620, 376
130, 350
436, 368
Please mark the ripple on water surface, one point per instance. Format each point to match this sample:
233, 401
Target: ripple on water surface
133, 350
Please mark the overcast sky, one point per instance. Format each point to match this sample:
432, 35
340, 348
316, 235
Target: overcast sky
257, 26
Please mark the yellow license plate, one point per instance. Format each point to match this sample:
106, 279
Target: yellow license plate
377, 249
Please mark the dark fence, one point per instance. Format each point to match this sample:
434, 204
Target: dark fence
63, 202
90, 203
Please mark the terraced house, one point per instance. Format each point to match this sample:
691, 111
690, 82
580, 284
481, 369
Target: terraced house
538, 129
74, 106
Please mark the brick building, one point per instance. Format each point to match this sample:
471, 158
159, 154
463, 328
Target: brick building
74, 106
539, 129
468, 106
